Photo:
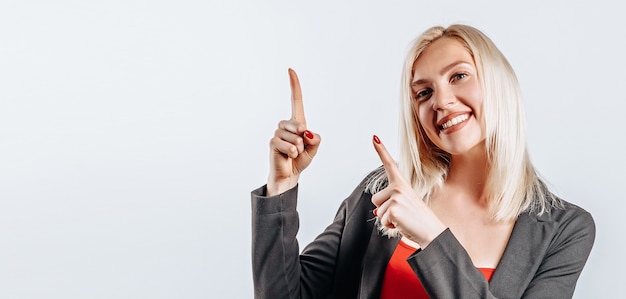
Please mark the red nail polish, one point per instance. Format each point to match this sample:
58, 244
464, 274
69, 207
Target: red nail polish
376, 139
308, 134
375, 212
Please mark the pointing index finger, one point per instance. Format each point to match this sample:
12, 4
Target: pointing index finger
297, 107
393, 173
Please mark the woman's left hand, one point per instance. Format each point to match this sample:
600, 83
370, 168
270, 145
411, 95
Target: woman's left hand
399, 207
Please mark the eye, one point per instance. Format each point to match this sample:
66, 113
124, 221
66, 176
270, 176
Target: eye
459, 76
423, 94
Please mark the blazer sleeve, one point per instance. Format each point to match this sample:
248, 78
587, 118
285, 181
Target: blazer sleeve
446, 270
279, 271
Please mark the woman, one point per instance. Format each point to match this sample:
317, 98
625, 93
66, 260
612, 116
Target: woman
463, 214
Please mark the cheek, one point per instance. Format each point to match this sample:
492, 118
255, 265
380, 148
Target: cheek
425, 117
475, 95
476, 101
421, 113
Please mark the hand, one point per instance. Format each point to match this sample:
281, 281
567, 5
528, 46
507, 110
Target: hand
293, 146
399, 207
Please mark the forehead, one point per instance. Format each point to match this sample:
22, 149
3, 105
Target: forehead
438, 55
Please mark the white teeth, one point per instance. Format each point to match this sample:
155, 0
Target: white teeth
454, 121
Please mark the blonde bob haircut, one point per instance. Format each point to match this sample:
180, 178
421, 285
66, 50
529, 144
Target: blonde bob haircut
513, 186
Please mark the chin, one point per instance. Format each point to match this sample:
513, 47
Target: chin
462, 149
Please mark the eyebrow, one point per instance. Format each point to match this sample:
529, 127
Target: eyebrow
443, 71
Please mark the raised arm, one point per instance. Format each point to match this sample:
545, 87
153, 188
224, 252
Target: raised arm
275, 251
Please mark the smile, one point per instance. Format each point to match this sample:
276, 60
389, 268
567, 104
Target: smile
455, 121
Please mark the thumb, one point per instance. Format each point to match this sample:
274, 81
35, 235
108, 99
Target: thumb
311, 142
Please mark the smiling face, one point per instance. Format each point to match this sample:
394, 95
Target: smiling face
448, 97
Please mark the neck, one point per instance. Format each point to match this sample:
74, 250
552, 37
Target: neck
469, 172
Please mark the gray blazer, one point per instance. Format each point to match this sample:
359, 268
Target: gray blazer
543, 258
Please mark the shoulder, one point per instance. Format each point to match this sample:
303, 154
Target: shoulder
360, 198
572, 224
558, 211
567, 213
376, 180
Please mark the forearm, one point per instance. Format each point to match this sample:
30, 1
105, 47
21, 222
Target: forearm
446, 270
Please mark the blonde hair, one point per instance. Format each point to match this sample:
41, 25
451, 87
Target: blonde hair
513, 185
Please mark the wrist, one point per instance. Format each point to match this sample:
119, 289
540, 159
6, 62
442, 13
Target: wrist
276, 187
432, 234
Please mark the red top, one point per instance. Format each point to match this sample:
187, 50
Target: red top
401, 282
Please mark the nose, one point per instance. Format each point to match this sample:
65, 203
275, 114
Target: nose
443, 98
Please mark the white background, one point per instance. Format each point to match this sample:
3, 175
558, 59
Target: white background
131, 132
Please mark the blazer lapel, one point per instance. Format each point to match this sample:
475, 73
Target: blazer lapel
379, 251
524, 252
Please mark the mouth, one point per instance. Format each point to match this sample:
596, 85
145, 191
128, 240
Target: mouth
452, 120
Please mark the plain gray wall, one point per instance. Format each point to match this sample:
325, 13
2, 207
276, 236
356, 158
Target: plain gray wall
131, 132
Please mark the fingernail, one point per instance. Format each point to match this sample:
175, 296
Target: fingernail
376, 139
308, 134
375, 212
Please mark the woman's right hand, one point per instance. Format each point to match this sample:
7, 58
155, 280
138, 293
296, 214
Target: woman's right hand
293, 146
